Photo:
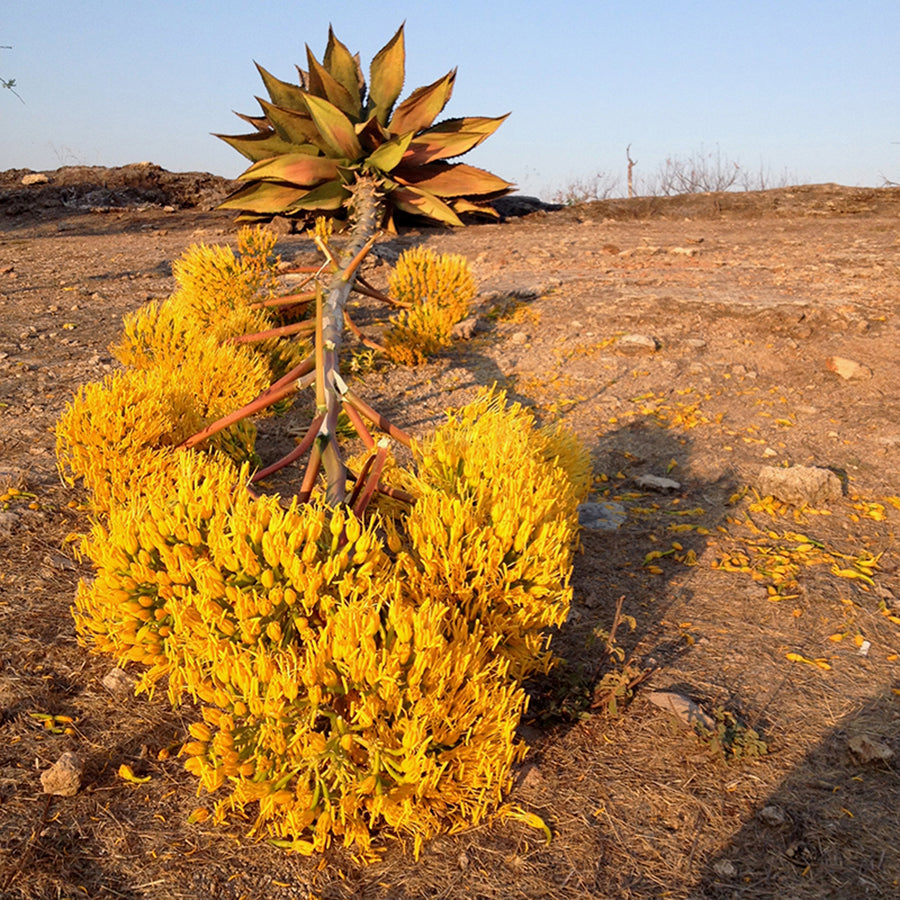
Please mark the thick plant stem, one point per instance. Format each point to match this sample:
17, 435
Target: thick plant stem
366, 214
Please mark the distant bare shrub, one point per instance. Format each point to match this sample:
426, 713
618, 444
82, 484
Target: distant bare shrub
600, 186
703, 172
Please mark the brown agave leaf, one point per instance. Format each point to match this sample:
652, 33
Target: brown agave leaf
282, 93
421, 203
452, 180
264, 197
335, 128
260, 123
258, 146
452, 137
462, 205
372, 134
293, 168
423, 105
386, 75
323, 84
343, 65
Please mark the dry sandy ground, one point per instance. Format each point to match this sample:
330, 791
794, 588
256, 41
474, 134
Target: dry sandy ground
740, 302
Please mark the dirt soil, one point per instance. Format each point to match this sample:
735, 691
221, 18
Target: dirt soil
689, 338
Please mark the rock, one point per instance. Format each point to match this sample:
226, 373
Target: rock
604, 515
657, 483
8, 521
522, 205
519, 338
772, 815
866, 749
281, 225
724, 868
118, 681
637, 343
683, 708
848, 369
465, 330
63, 778
811, 485
529, 776
35, 178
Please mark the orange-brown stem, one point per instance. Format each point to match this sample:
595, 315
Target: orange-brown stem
294, 455
281, 331
360, 426
377, 419
368, 342
312, 472
285, 300
372, 480
267, 398
364, 287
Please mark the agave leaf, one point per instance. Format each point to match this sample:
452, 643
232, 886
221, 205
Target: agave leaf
257, 146
264, 197
421, 203
323, 84
387, 157
386, 74
451, 180
260, 123
423, 105
328, 196
343, 66
372, 134
452, 137
335, 128
293, 168
296, 127
282, 93
461, 205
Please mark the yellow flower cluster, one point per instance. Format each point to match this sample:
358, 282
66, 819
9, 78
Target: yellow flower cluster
117, 432
215, 296
352, 674
181, 373
437, 289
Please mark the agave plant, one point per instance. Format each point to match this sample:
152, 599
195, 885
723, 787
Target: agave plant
316, 139
333, 145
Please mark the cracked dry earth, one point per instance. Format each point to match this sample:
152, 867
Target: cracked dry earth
694, 339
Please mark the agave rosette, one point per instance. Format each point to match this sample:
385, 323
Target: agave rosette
314, 138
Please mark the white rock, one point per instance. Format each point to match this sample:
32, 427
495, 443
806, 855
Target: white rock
657, 483
866, 749
464, 330
848, 369
799, 484
637, 343
772, 815
118, 681
63, 778
35, 178
683, 708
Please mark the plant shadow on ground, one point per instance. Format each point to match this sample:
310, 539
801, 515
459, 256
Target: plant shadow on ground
820, 833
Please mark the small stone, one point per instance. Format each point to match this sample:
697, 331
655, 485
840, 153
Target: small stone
530, 776
683, 708
63, 778
118, 681
724, 868
772, 815
605, 515
768, 453
281, 225
519, 338
637, 343
35, 178
799, 485
866, 749
848, 369
465, 330
657, 483
8, 521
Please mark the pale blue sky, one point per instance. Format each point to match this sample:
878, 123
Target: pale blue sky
811, 88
